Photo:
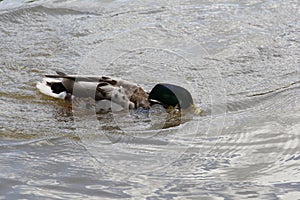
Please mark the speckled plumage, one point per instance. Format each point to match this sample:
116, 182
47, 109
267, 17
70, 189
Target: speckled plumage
124, 93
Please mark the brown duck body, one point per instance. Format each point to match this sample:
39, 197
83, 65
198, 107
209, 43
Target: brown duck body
124, 93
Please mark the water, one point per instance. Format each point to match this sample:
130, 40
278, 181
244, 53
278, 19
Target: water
235, 57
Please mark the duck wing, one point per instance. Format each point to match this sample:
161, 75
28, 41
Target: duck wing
82, 81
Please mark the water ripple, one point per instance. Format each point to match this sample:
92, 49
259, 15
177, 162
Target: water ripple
247, 145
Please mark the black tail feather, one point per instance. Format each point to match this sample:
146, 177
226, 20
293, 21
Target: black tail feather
57, 87
61, 73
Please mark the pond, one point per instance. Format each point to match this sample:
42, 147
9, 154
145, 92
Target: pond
240, 61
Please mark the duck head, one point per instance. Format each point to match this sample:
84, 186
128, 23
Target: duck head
170, 95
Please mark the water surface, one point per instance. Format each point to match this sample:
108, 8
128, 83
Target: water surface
235, 57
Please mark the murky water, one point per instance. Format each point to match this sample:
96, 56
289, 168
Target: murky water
235, 57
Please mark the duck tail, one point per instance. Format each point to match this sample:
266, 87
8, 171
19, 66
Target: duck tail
52, 87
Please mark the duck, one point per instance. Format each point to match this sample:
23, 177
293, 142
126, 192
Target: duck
127, 95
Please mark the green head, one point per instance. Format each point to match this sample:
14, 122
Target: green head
171, 95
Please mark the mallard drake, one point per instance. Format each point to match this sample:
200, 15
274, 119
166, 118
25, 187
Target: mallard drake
126, 94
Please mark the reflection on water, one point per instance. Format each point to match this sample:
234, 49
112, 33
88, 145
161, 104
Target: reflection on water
247, 146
